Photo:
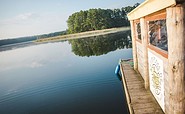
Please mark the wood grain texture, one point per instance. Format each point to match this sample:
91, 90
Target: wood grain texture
144, 35
147, 8
133, 32
176, 58
139, 100
140, 56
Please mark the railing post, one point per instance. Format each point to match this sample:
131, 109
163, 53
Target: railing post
134, 51
144, 37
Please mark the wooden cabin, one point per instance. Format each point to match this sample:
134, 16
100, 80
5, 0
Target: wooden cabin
158, 39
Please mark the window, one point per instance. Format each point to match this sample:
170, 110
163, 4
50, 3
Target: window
158, 34
138, 30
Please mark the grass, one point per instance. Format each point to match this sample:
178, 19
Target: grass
83, 34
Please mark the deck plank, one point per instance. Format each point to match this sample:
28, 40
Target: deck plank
139, 100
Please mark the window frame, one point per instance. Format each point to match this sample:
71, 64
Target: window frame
135, 25
161, 15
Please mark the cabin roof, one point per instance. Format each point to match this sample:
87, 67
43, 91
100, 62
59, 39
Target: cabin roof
151, 6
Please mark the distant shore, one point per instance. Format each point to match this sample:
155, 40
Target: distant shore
83, 34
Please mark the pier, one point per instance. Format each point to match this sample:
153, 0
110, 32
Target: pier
139, 100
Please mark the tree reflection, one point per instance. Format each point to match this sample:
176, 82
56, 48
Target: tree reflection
99, 45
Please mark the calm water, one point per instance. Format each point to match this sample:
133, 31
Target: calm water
68, 77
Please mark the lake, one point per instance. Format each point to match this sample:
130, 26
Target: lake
66, 77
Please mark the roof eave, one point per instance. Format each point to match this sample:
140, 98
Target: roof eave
147, 8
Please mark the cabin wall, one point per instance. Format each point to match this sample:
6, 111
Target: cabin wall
162, 99
153, 57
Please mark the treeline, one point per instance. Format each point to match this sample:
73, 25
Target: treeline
17, 40
29, 38
52, 34
97, 19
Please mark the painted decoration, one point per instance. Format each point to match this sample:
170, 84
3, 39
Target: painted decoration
156, 78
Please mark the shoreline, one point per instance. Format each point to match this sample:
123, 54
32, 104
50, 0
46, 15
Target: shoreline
83, 34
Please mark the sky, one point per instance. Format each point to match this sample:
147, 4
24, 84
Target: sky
20, 18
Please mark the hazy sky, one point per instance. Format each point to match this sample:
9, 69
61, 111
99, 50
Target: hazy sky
32, 17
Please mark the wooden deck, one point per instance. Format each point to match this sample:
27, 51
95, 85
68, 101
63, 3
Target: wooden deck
139, 100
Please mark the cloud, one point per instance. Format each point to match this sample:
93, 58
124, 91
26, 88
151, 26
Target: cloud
30, 23
36, 64
26, 16
19, 19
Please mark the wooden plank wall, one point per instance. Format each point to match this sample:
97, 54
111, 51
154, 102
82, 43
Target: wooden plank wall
140, 57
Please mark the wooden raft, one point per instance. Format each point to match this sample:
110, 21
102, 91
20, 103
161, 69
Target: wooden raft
139, 100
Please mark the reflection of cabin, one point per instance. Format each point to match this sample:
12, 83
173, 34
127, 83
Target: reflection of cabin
158, 38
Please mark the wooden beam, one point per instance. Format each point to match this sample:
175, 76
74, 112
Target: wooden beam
144, 36
134, 50
176, 58
149, 7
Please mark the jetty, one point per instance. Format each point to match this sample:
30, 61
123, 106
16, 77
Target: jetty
139, 100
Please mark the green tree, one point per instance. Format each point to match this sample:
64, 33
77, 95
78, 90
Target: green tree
97, 19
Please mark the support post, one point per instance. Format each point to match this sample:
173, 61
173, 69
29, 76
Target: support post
176, 58
134, 49
144, 37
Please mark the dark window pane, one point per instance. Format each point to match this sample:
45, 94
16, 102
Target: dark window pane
158, 34
138, 26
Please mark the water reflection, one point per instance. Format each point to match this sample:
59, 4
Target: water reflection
51, 79
99, 45
22, 45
